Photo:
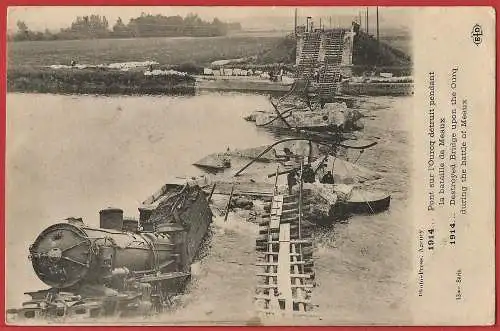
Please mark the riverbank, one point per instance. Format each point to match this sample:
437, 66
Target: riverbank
377, 89
241, 84
105, 81
101, 81
244, 84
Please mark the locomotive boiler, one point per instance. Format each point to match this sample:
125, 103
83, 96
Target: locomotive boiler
125, 266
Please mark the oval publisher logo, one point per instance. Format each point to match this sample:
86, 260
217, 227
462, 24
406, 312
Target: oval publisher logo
477, 34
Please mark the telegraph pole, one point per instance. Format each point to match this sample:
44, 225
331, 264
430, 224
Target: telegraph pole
295, 23
367, 26
377, 26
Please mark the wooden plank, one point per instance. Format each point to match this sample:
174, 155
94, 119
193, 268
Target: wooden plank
297, 262
266, 311
276, 253
305, 314
267, 285
297, 282
276, 211
267, 274
289, 219
284, 234
262, 297
290, 204
284, 267
303, 286
275, 222
265, 264
290, 241
294, 314
166, 276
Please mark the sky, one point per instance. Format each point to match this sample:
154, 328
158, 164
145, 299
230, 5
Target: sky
56, 17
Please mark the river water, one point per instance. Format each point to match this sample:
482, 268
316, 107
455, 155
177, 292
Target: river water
74, 155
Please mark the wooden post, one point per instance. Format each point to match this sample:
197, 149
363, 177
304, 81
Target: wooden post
211, 192
229, 203
300, 197
309, 157
276, 180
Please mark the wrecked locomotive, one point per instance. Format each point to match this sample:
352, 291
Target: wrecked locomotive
125, 267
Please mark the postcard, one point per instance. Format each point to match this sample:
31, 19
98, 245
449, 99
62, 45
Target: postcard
250, 165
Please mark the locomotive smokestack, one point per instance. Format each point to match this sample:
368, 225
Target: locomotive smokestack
111, 218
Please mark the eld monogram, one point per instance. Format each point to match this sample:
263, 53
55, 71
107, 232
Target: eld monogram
477, 34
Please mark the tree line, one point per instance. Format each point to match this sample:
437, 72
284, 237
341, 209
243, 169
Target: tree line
146, 25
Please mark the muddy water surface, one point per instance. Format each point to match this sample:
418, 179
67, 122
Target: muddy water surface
73, 155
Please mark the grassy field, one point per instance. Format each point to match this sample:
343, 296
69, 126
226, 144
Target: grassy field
169, 51
163, 50
27, 59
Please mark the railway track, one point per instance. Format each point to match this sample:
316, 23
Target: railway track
286, 279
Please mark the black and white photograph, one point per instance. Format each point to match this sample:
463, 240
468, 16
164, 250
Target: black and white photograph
236, 166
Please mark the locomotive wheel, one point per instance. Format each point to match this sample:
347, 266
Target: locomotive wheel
158, 298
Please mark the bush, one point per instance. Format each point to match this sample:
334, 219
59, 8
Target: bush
283, 52
370, 52
190, 68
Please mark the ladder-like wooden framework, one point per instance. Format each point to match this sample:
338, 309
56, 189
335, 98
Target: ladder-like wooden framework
287, 279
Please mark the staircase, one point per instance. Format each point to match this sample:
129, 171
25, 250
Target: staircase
309, 56
329, 80
329, 69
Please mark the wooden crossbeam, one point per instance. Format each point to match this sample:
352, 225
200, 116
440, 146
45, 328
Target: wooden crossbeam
302, 286
293, 241
267, 285
265, 264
